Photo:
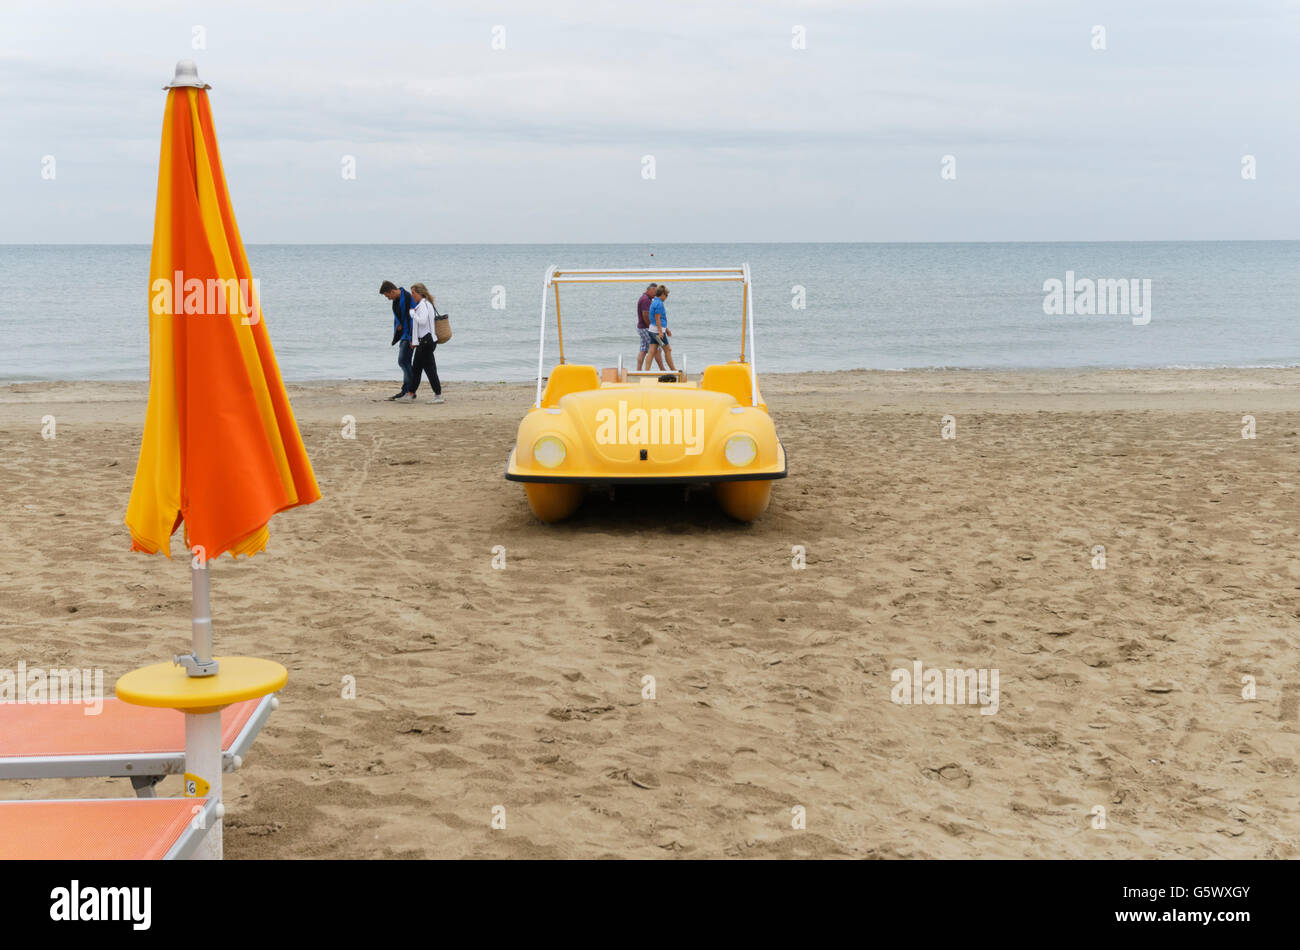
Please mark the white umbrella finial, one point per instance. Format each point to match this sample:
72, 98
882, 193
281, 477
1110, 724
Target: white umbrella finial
187, 74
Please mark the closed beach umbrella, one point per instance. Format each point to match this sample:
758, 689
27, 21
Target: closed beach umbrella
221, 451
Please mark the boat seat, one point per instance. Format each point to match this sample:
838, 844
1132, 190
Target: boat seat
730, 378
569, 378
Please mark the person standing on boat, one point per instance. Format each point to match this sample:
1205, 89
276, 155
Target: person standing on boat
659, 332
643, 330
402, 305
423, 342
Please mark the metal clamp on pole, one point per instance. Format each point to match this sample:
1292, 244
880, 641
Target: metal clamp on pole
194, 666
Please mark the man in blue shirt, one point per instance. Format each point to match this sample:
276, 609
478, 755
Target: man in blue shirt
642, 329
659, 332
402, 304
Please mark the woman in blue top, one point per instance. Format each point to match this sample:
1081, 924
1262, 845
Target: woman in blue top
659, 332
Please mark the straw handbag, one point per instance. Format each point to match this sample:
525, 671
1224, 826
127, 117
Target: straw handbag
441, 326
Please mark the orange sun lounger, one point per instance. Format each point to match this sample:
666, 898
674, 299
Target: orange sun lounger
142, 743
119, 829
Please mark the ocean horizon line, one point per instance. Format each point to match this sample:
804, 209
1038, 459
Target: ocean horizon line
652, 244
341, 380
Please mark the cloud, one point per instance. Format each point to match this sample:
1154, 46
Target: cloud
752, 138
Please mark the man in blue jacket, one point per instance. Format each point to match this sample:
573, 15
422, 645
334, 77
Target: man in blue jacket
402, 304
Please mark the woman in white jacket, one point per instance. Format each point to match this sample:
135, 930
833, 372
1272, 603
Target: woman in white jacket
424, 340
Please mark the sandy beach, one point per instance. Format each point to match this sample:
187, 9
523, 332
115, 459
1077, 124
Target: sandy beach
523, 687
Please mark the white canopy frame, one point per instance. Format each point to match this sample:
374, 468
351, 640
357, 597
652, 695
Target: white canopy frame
630, 275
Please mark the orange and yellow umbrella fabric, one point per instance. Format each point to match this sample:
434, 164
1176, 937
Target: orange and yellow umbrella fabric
221, 450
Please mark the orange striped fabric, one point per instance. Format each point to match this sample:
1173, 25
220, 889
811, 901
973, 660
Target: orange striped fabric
221, 452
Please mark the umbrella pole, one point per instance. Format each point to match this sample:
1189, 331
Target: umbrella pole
202, 627
199, 661
203, 776
203, 729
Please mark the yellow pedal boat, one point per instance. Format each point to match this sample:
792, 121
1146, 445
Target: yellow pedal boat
621, 427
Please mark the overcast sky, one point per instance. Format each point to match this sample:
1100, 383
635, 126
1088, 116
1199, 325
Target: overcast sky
752, 139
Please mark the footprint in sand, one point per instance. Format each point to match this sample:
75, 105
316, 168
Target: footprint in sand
952, 773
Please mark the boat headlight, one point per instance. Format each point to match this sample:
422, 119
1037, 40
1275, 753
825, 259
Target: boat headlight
741, 450
548, 451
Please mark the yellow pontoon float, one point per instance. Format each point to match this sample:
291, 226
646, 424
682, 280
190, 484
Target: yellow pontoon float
624, 427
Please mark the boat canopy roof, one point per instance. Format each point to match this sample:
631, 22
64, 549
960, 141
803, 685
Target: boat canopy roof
629, 275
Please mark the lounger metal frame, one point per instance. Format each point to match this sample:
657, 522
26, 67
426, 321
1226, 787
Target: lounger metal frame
191, 839
149, 765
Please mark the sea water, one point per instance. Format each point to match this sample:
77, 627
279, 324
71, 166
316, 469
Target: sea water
81, 312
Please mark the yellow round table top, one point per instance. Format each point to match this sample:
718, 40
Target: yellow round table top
168, 685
